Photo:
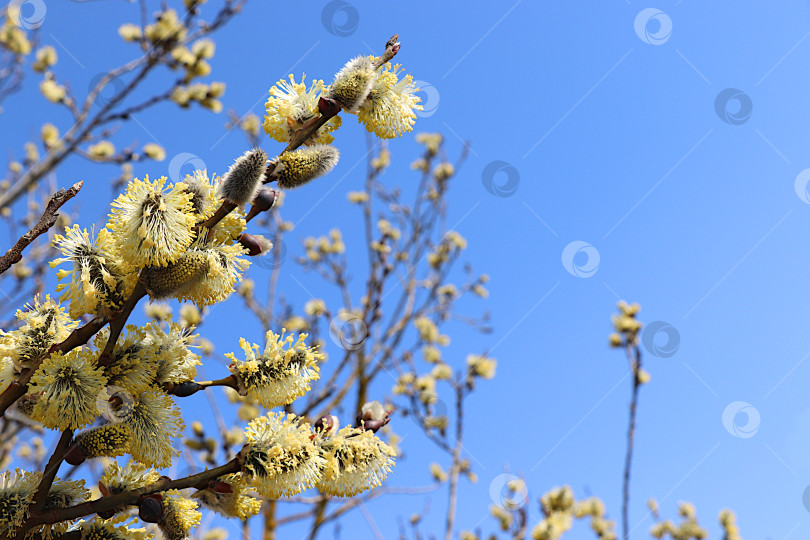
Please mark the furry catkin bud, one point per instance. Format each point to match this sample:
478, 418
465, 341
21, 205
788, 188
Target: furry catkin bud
294, 169
197, 186
242, 179
176, 277
372, 417
353, 83
109, 440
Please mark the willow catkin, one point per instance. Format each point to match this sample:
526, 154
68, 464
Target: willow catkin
294, 169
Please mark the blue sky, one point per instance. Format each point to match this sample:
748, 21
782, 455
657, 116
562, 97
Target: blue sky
607, 117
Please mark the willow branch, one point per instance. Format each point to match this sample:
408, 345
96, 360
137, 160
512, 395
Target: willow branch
78, 337
456, 467
634, 355
130, 498
47, 221
120, 320
49, 474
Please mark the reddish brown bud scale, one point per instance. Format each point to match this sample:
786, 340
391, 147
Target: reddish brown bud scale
220, 487
185, 389
74, 455
102, 487
262, 202
107, 514
251, 243
371, 425
150, 508
324, 423
328, 106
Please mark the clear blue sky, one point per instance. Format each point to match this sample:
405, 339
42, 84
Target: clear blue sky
617, 139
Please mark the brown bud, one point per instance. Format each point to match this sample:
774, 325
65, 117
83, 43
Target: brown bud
328, 106
251, 243
263, 202
102, 487
220, 487
325, 423
185, 389
150, 508
107, 514
371, 425
105, 491
74, 455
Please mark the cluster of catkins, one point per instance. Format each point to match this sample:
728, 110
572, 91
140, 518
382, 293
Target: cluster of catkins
186, 240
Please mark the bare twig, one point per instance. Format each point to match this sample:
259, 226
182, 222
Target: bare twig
634, 355
47, 221
129, 498
455, 469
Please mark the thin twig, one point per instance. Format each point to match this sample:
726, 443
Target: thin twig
634, 355
455, 469
48, 219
